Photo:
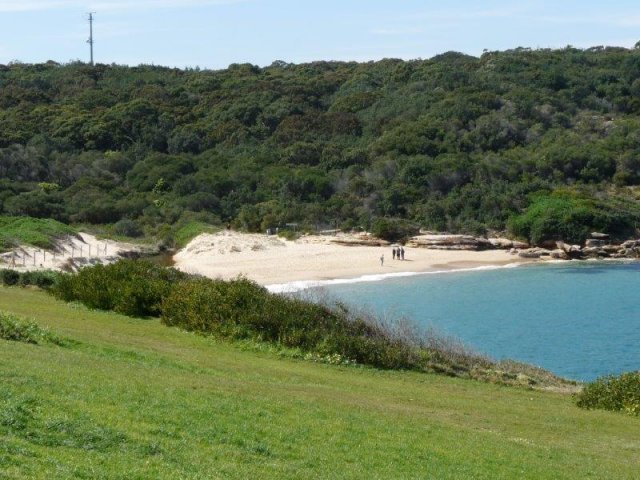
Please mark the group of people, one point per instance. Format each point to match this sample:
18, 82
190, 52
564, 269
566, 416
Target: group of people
397, 252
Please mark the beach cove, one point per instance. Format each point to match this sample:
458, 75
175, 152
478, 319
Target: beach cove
576, 318
276, 262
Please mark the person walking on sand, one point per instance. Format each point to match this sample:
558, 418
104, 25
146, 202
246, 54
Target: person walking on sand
402, 252
382, 260
393, 251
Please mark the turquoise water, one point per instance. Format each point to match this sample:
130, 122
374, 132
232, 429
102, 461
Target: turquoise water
579, 320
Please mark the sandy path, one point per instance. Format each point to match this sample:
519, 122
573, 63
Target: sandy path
270, 260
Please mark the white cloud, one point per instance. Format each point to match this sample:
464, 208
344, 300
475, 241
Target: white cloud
28, 5
106, 5
154, 4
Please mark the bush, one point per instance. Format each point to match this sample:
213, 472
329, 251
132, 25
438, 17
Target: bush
215, 306
17, 329
550, 218
127, 228
43, 279
9, 277
616, 393
565, 216
38, 232
130, 287
242, 309
393, 229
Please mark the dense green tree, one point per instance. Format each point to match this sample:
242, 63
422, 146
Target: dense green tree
453, 143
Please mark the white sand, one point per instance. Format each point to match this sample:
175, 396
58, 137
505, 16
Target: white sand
271, 260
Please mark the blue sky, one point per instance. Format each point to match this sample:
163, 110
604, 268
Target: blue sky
215, 33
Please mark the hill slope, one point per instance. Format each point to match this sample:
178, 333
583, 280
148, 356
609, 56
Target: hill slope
133, 398
452, 143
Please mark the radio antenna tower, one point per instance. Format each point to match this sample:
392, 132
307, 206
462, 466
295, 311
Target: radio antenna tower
90, 41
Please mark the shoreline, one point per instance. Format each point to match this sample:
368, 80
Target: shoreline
283, 265
297, 286
300, 285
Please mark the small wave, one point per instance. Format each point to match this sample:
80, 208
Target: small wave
298, 286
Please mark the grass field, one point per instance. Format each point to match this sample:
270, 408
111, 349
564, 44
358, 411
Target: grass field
128, 398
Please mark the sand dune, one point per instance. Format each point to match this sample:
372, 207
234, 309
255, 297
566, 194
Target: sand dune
70, 253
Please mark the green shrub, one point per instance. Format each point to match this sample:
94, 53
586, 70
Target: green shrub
127, 228
568, 217
616, 393
31, 231
215, 306
42, 279
393, 229
17, 329
9, 277
130, 287
242, 309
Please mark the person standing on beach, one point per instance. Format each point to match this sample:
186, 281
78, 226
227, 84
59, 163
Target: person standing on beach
402, 252
393, 251
382, 260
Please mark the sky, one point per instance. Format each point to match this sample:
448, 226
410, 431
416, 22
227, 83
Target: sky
215, 33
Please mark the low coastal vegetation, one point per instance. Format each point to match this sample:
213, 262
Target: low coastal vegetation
18, 329
617, 393
37, 232
131, 287
242, 310
570, 217
127, 395
39, 278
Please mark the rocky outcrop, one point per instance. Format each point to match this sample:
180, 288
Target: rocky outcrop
598, 246
559, 254
592, 242
507, 244
535, 252
449, 242
362, 239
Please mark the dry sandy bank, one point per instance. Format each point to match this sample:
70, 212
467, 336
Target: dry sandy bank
271, 260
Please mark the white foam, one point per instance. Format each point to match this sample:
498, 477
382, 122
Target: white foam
298, 286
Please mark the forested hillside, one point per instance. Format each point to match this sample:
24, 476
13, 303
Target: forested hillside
544, 144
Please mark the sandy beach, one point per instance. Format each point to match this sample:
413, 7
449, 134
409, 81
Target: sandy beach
270, 260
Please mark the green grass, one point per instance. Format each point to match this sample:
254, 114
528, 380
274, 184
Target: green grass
37, 232
134, 399
19, 329
181, 233
191, 230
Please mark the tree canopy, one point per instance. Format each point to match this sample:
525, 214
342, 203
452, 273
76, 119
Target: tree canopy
454, 143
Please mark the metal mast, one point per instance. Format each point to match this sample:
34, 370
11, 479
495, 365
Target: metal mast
90, 41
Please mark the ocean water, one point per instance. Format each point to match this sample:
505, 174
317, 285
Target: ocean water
580, 320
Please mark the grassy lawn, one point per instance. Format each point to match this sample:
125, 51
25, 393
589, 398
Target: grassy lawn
134, 399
